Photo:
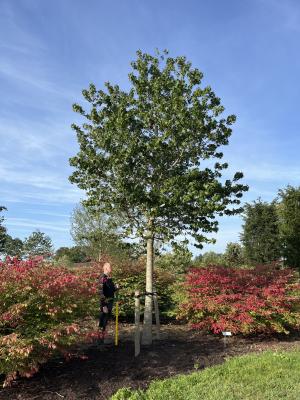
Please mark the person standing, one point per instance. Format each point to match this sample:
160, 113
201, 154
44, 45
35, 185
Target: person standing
107, 289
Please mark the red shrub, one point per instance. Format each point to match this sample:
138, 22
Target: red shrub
260, 300
44, 310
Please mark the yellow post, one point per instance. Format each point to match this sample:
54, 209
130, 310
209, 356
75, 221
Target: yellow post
117, 324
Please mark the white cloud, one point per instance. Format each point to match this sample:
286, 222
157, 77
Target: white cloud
38, 179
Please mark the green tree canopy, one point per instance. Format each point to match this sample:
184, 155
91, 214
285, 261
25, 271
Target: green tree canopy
97, 233
38, 244
260, 235
75, 254
13, 247
176, 261
154, 153
289, 217
211, 258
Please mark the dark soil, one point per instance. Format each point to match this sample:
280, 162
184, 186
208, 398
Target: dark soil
108, 368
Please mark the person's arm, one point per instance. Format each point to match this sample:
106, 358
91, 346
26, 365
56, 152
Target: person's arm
115, 286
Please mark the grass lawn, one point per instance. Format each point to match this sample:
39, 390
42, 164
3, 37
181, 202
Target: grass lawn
265, 376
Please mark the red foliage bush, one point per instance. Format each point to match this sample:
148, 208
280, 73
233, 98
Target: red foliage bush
48, 310
260, 300
44, 310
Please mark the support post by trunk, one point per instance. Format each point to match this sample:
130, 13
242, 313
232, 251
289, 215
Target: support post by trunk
147, 328
137, 335
156, 310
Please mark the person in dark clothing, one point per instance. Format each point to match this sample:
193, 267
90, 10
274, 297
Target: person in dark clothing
107, 290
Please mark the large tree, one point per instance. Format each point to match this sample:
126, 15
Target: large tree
154, 153
289, 217
260, 235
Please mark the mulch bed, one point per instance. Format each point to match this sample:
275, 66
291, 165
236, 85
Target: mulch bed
108, 368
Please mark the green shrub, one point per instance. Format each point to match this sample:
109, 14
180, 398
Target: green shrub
132, 277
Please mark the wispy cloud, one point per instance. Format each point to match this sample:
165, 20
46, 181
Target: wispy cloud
17, 195
16, 38
36, 179
48, 213
25, 66
37, 224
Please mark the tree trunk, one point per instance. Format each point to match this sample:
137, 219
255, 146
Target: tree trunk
147, 328
99, 251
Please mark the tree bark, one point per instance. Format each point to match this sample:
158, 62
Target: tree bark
147, 328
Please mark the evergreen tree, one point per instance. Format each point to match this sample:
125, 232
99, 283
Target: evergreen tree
260, 235
234, 255
289, 217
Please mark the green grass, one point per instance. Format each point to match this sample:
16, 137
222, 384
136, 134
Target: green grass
265, 376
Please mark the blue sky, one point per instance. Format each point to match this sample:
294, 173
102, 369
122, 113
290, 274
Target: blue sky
248, 50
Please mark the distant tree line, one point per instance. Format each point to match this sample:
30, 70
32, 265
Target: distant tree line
36, 244
270, 232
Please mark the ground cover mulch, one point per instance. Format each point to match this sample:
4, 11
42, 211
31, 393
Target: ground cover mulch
103, 369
